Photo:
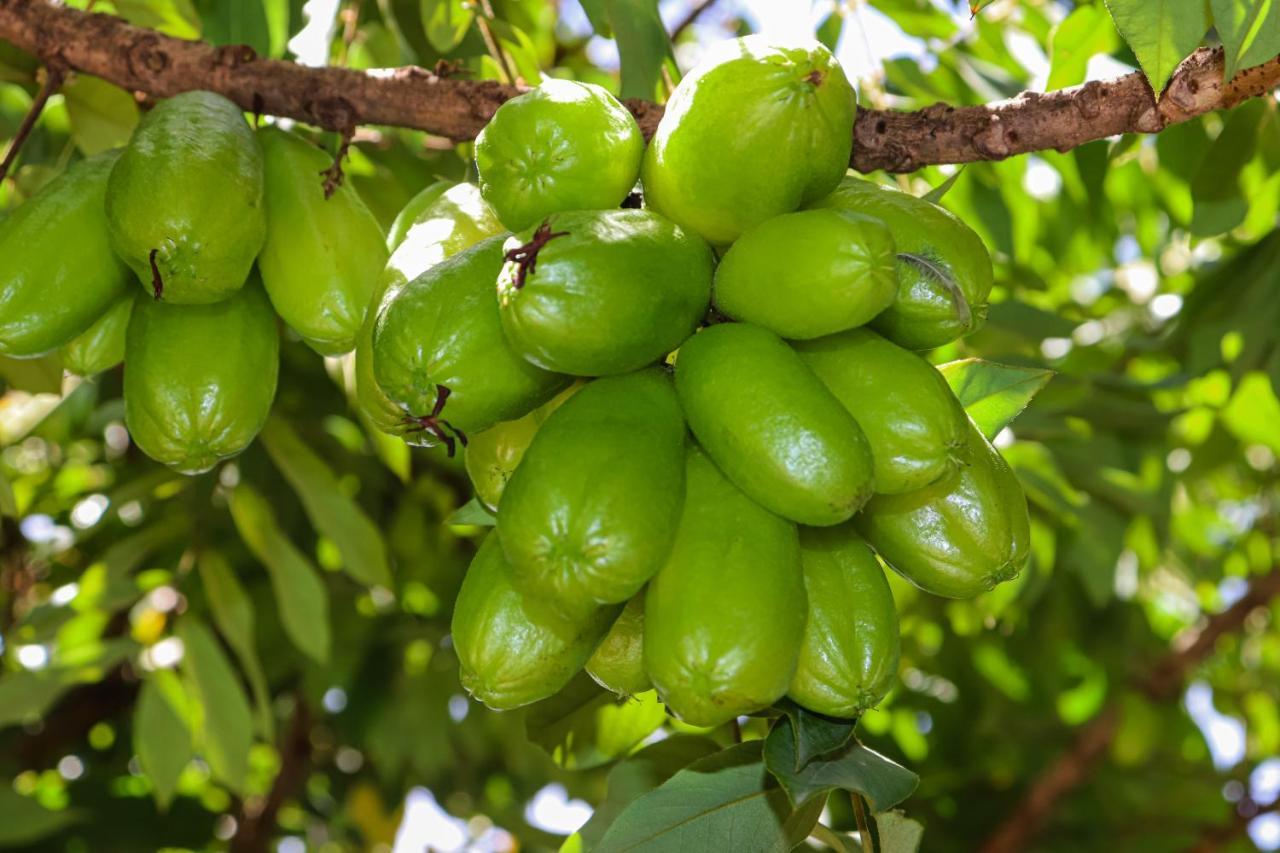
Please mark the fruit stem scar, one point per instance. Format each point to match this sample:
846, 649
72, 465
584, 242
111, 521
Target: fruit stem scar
157, 283
437, 425
526, 256
814, 77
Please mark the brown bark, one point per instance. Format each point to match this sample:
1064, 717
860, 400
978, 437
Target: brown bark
338, 99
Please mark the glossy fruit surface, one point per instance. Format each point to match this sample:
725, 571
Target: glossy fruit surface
413, 209
962, 535
725, 615
101, 346
807, 274
562, 146
185, 200
323, 256
512, 652
440, 355
944, 270
849, 655
590, 513
772, 426
618, 664
183, 406
594, 293
58, 273
493, 454
781, 115
916, 428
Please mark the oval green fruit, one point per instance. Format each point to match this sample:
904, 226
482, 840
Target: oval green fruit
59, 271
185, 200
412, 209
849, 655
440, 355
589, 515
592, 293
562, 146
959, 537
808, 274
101, 346
438, 223
190, 398
618, 664
510, 651
771, 425
322, 257
724, 617
917, 430
782, 115
944, 270
493, 455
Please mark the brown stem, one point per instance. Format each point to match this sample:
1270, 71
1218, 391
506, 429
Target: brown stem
54, 74
691, 18
491, 44
333, 176
141, 60
526, 257
436, 425
256, 821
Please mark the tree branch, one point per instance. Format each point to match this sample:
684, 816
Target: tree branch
53, 76
338, 98
1164, 680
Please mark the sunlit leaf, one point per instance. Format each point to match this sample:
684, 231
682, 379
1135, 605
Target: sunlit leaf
225, 722
935, 195
1080, 36
898, 833
585, 726
852, 767
162, 741
473, 513
1253, 413
643, 45
177, 18
993, 394
1161, 32
829, 30
1250, 32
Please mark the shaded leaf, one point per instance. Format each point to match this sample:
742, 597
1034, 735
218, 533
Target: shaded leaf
898, 833
643, 45
1161, 33
161, 739
237, 22
935, 195
830, 29
1219, 201
1250, 32
234, 617
8, 503
446, 22
815, 734
27, 695
177, 18
224, 721
1080, 36
852, 767
102, 116
473, 513
993, 394
584, 726
23, 821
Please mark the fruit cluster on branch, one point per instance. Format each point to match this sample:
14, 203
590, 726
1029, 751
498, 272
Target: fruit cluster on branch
339, 99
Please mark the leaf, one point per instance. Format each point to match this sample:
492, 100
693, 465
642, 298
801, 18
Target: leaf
1078, 38
1250, 32
162, 741
597, 16
301, 597
584, 726
28, 695
641, 773
8, 502
921, 18
935, 195
176, 18
34, 375
898, 833
102, 116
815, 734
1252, 414
446, 22
829, 30
852, 767
332, 512
225, 728
1219, 203
643, 45
237, 22
976, 6
23, 821
993, 394
234, 617
473, 513
1161, 33
726, 801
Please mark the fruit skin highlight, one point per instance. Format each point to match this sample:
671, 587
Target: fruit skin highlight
101, 346
752, 132
618, 663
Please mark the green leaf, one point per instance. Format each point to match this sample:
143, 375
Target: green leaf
935, 195
233, 615
332, 512
830, 29
176, 18
102, 116
1219, 201
643, 45
993, 394
585, 726
852, 767
225, 723
34, 375
1161, 33
8, 502
301, 596
472, 513
28, 695
726, 801
898, 833
23, 821
1250, 32
446, 22
639, 774
161, 739
921, 18
597, 16
1078, 38
1252, 414
815, 734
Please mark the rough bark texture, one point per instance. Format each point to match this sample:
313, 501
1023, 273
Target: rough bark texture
338, 99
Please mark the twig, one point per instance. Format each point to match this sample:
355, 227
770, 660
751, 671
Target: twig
54, 74
350, 23
691, 18
864, 828
491, 44
255, 826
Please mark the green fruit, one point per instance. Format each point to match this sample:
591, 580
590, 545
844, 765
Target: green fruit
618, 664
725, 616
59, 273
808, 274
589, 515
772, 426
191, 397
512, 652
593, 293
944, 270
563, 146
439, 352
185, 200
781, 115
101, 346
916, 428
414, 208
323, 256
492, 455
849, 655
451, 219
962, 535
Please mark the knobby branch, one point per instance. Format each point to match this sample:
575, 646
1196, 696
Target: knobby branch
338, 99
